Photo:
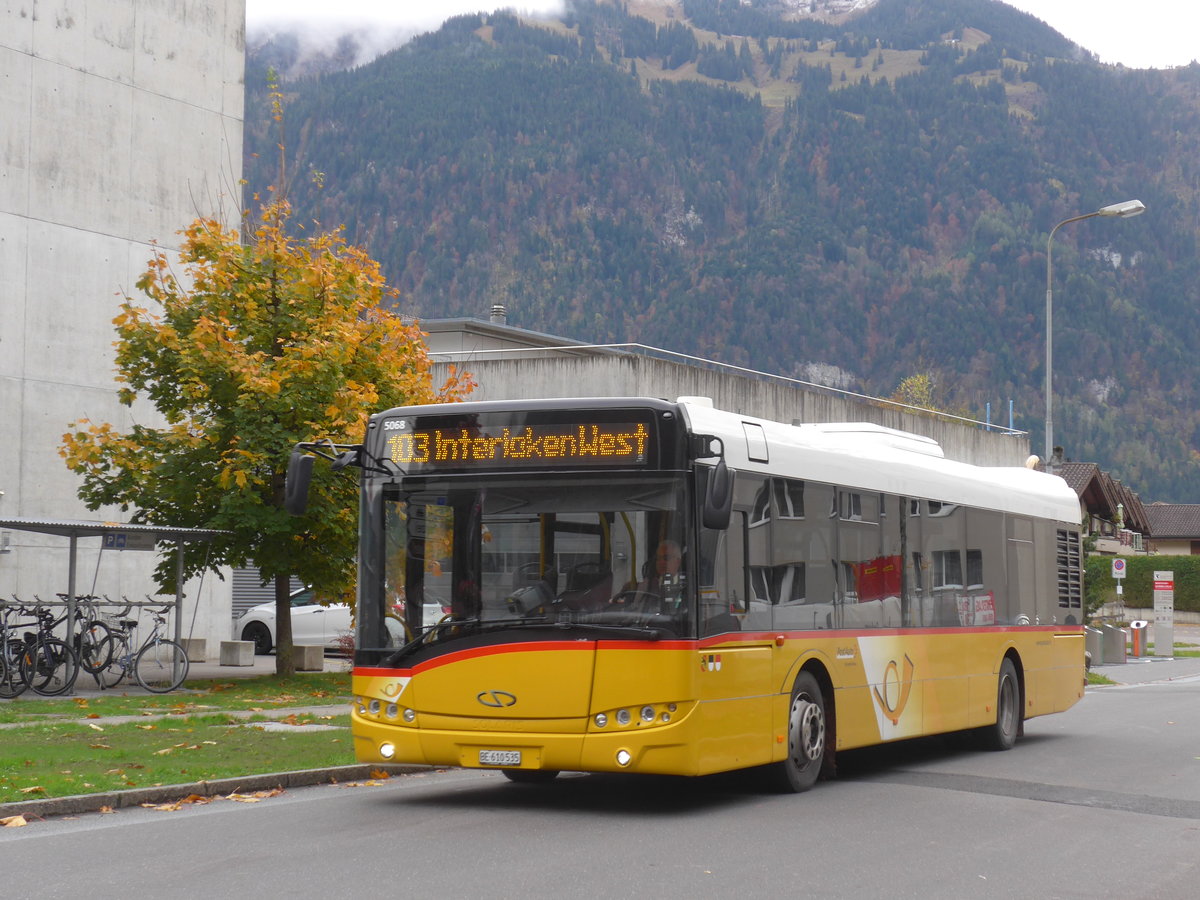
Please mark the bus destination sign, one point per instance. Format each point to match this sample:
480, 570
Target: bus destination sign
542, 445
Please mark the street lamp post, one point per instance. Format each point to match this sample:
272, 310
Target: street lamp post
1122, 210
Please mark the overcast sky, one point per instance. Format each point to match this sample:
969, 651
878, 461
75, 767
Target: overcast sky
1137, 33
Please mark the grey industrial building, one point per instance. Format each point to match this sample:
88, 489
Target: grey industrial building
122, 122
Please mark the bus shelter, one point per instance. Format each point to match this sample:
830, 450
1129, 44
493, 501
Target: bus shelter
117, 536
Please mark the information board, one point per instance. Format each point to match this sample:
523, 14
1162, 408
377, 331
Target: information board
1164, 613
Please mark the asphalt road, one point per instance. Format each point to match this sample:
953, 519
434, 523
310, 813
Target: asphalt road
1102, 801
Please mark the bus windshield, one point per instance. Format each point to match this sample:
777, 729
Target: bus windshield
470, 556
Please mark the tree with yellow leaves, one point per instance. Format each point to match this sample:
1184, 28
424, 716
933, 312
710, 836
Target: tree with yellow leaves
257, 346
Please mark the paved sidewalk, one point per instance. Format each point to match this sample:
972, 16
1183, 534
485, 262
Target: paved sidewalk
1151, 669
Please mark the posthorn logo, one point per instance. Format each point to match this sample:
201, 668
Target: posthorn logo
496, 699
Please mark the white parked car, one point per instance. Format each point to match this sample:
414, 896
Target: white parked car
312, 623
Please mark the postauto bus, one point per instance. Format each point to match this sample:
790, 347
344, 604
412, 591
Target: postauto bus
636, 585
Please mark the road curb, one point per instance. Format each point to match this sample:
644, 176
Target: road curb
169, 793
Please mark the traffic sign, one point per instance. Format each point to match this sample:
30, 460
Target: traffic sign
129, 540
1118, 568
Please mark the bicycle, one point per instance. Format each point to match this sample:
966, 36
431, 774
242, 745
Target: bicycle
11, 648
42, 661
91, 642
159, 665
47, 664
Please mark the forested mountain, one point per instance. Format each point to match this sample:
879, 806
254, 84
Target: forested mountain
719, 177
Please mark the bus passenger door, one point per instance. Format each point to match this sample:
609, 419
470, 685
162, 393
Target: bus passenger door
734, 677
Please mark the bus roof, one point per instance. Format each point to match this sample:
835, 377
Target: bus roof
859, 455
875, 458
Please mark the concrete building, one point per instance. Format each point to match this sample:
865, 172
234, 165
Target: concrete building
121, 123
511, 363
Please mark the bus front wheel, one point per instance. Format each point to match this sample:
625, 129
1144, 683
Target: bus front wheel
807, 738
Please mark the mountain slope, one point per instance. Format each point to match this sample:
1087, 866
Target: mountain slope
871, 197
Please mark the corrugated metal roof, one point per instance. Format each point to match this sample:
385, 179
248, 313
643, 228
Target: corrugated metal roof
83, 528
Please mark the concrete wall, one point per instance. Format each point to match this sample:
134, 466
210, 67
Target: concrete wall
607, 375
1168, 547
120, 123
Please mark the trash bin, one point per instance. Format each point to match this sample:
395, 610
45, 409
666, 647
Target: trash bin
1138, 633
1094, 645
1114, 644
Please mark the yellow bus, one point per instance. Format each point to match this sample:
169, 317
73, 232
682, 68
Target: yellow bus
636, 585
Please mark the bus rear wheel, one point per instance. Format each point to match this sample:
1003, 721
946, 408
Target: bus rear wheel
1003, 735
807, 738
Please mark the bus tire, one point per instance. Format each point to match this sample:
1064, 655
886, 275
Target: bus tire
1003, 734
807, 738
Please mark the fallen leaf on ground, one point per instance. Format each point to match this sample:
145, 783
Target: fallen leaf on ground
13, 821
254, 797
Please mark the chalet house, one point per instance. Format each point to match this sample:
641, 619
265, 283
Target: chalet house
1175, 528
1111, 514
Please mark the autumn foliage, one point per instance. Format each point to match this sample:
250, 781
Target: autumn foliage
251, 348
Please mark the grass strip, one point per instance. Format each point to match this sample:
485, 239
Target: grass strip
59, 759
197, 697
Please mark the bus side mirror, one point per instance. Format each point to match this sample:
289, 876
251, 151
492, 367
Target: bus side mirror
718, 497
295, 486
